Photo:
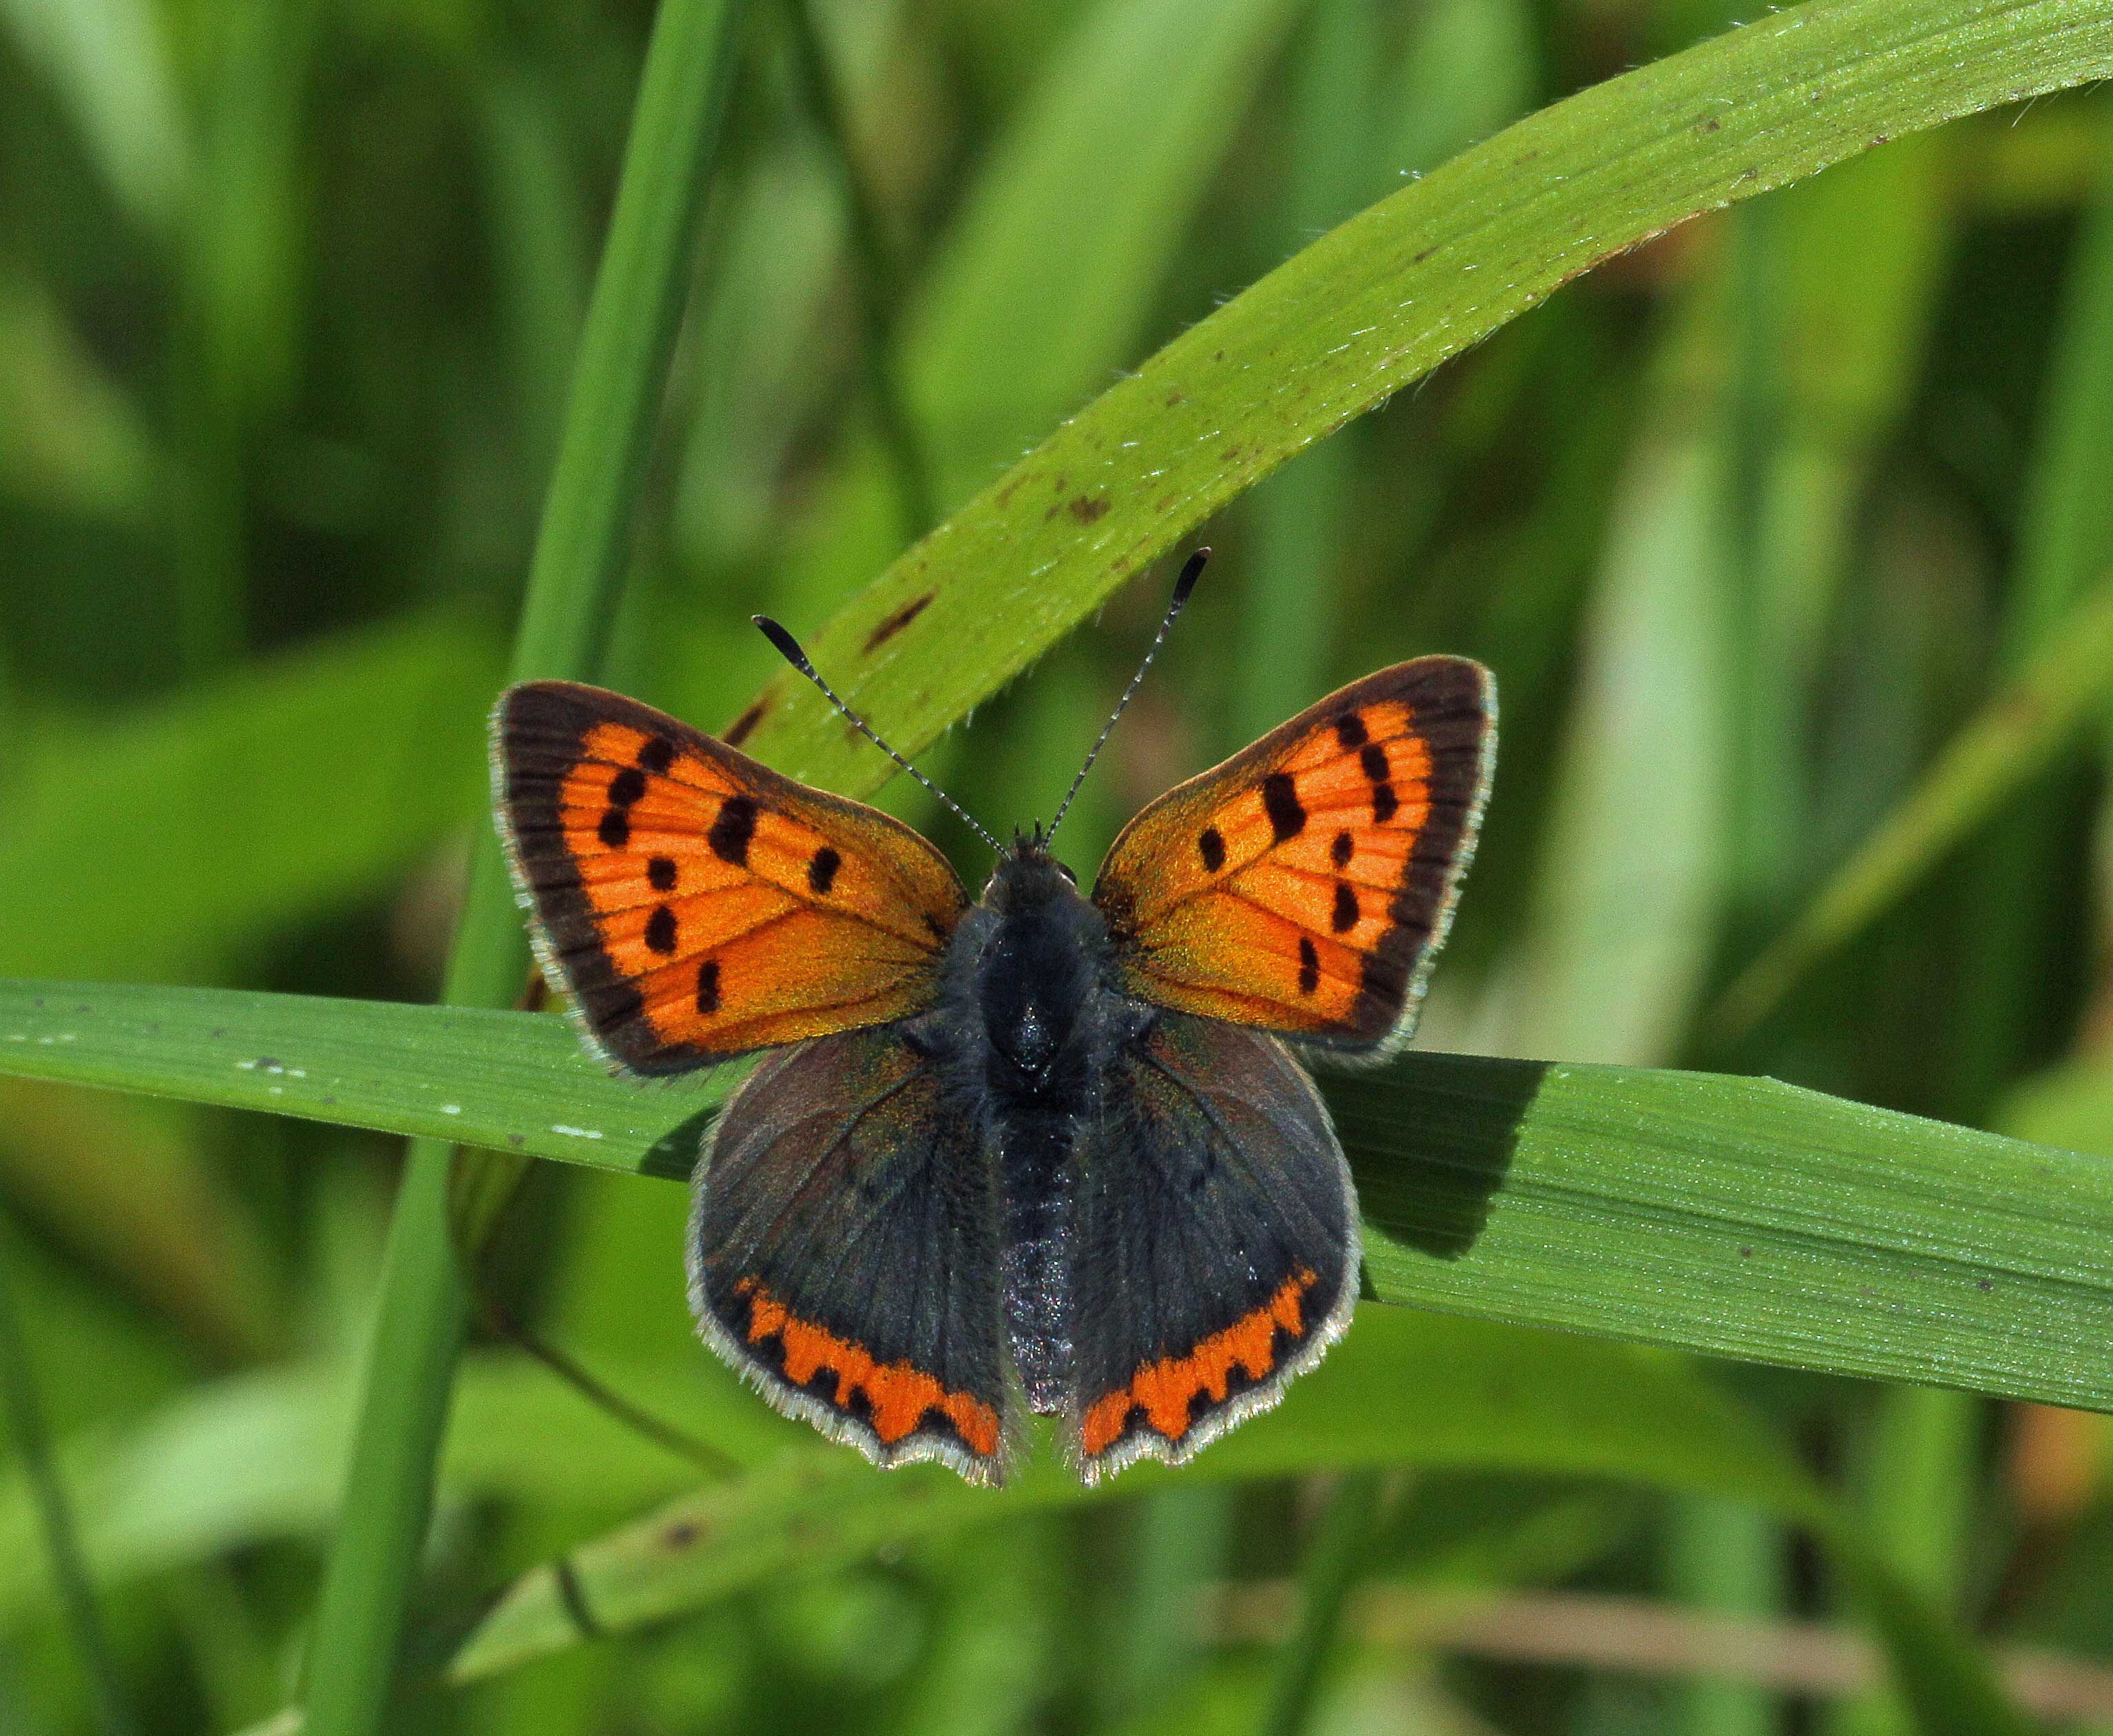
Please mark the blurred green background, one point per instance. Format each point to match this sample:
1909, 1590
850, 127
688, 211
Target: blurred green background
1748, 522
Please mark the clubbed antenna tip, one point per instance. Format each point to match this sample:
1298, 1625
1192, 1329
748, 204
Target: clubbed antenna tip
1192, 569
788, 648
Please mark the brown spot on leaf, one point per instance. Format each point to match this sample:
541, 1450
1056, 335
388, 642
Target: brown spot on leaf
896, 622
1088, 508
1709, 124
744, 726
1174, 399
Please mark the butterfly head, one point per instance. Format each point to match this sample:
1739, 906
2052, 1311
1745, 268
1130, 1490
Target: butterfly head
1027, 873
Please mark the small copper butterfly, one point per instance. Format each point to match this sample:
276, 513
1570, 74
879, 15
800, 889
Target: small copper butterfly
1037, 1151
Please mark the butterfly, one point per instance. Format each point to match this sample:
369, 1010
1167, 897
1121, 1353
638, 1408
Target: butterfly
1038, 1151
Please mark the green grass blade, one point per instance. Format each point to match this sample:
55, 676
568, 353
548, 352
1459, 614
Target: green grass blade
1917, 1492
1375, 305
2013, 737
581, 551
1734, 1216
1727, 1558
466, 1075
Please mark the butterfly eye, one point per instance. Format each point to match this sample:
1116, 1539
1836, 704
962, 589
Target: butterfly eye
1067, 874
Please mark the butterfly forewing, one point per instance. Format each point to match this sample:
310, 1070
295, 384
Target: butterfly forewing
1303, 886
844, 1252
1216, 1254
694, 903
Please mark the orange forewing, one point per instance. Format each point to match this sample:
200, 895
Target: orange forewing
1303, 886
696, 903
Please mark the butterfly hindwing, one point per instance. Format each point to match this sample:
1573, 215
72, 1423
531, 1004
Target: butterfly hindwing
696, 903
1216, 1254
1303, 886
844, 1256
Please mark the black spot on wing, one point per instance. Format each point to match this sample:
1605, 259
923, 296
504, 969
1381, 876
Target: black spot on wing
1345, 916
1279, 798
658, 754
1341, 851
1309, 966
661, 874
1351, 731
822, 871
624, 788
660, 929
1212, 847
1374, 760
731, 828
708, 986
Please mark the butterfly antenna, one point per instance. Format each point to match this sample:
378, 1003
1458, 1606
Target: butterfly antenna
788, 648
1190, 572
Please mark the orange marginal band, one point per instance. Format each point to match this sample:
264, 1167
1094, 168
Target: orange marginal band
1166, 1389
899, 1395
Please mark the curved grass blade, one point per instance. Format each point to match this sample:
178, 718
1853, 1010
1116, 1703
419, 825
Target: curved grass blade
1738, 1217
1376, 304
